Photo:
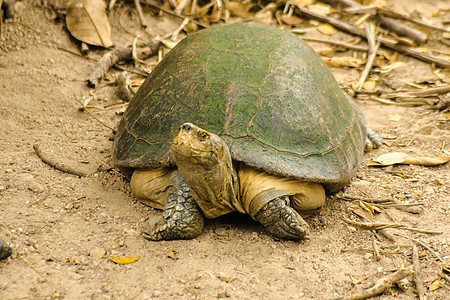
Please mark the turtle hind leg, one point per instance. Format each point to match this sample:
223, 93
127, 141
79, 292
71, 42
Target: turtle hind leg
373, 140
182, 218
282, 221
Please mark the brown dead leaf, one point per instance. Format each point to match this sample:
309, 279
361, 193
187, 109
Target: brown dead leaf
265, 15
291, 20
326, 29
369, 85
395, 117
343, 61
87, 21
326, 51
320, 8
301, 3
366, 215
240, 9
403, 158
172, 254
436, 284
124, 260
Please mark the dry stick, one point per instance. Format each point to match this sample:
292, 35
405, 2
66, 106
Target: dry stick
381, 225
97, 119
376, 251
382, 284
123, 91
341, 44
388, 22
429, 92
373, 48
154, 5
140, 13
120, 54
417, 276
423, 245
1, 17
55, 291
384, 41
370, 200
56, 165
393, 14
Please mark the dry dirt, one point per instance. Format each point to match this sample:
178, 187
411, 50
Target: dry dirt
64, 229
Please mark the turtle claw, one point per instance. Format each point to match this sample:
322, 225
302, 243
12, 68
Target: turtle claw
282, 220
373, 140
181, 219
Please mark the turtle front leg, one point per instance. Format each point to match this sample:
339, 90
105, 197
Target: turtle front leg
182, 218
282, 221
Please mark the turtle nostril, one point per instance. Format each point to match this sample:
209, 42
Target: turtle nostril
186, 127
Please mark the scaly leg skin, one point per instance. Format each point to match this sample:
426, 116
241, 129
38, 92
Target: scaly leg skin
182, 218
282, 220
373, 140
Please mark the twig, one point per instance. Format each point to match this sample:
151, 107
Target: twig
123, 90
401, 29
429, 92
423, 245
371, 251
373, 48
413, 20
120, 54
55, 292
154, 5
92, 115
341, 44
417, 276
56, 165
384, 41
381, 225
370, 200
75, 53
376, 251
385, 21
140, 13
382, 284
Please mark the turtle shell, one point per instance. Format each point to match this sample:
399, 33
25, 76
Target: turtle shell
263, 90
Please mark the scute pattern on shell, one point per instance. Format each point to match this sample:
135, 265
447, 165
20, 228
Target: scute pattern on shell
263, 90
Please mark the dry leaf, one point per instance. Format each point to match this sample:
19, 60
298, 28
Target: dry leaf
172, 254
291, 20
301, 3
436, 284
239, 9
87, 21
422, 49
327, 51
320, 8
265, 15
363, 214
395, 117
343, 61
326, 29
124, 260
369, 85
403, 158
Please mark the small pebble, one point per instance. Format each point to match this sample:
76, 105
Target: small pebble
97, 252
225, 277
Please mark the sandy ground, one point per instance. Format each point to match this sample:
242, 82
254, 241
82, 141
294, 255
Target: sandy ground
64, 229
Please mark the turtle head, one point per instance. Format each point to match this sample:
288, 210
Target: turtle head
195, 146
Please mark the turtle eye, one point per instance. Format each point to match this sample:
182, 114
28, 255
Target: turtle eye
203, 135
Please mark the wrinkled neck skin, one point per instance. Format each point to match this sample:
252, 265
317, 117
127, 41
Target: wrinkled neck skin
205, 164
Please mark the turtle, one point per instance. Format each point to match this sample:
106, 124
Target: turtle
243, 117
